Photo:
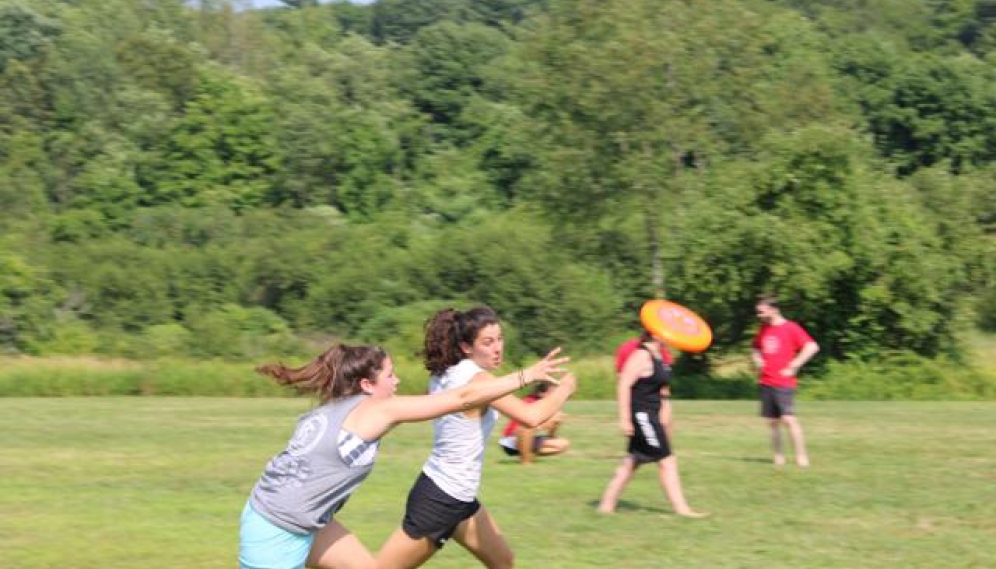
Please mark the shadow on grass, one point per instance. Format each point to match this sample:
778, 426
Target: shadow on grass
630, 506
764, 460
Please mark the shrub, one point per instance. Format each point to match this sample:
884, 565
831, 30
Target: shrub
901, 376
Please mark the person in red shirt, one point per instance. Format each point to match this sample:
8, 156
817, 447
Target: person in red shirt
780, 348
525, 443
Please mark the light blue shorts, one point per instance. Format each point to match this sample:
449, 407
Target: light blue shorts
263, 545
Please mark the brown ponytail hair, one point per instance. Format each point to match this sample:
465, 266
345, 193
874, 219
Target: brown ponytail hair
446, 329
333, 375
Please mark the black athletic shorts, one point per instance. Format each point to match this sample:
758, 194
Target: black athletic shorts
777, 401
434, 514
649, 441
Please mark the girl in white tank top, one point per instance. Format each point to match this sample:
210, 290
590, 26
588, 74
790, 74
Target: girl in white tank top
462, 348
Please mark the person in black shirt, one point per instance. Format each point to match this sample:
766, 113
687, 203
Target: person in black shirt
644, 382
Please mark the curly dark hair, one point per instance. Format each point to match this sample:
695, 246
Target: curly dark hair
445, 331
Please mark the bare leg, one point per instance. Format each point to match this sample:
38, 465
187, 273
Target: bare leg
336, 548
402, 552
525, 439
666, 419
480, 535
798, 440
551, 425
776, 441
554, 446
624, 473
671, 482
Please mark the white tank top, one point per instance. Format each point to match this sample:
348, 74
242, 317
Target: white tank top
458, 449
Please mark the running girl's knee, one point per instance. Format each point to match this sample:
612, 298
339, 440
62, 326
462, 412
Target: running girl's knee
505, 560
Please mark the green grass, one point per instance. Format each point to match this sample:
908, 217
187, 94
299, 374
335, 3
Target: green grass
126, 483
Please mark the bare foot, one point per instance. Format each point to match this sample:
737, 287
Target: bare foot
606, 511
802, 461
779, 460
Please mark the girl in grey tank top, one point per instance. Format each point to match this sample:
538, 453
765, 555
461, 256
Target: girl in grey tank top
290, 517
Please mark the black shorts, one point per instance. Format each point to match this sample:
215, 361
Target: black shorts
434, 514
649, 441
777, 401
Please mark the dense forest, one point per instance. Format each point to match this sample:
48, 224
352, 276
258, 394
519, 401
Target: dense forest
212, 181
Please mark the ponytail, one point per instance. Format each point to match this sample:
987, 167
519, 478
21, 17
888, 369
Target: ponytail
334, 374
442, 346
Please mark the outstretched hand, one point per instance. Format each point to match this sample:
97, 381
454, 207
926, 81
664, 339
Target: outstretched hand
543, 369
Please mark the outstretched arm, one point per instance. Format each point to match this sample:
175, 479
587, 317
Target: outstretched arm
532, 415
377, 416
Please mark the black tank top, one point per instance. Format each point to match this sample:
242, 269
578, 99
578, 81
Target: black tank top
646, 392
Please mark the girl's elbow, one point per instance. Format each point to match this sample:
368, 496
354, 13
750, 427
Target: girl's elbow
531, 422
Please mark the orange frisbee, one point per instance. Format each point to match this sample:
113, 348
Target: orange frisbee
676, 325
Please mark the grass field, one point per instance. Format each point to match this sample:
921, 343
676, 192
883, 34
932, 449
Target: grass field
134, 483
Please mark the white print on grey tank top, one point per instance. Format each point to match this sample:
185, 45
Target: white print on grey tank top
291, 467
457, 457
303, 486
648, 430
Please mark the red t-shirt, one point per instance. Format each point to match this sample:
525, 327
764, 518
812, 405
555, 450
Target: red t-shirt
513, 424
778, 345
626, 349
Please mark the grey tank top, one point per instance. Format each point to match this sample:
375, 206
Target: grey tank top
305, 485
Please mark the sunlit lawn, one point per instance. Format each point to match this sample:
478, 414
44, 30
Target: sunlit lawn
115, 483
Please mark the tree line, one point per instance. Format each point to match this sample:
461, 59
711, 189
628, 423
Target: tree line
201, 179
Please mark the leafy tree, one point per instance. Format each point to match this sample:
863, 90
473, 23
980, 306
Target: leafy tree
159, 63
853, 254
22, 184
233, 331
342, 130
300, 3
24, 33
114, 283
497, 133
448, 63
400, 20
696, 86
221, 151
27, 299
546, 296
354, 18
926, 109
448, 186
